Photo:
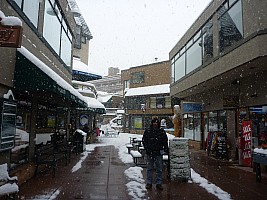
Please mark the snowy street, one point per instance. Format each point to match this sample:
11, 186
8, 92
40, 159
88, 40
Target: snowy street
103, 172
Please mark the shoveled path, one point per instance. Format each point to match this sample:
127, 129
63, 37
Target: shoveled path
101, 177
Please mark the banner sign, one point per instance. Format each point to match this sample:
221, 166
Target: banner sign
246, 142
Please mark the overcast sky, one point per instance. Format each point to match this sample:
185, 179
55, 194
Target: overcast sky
129, 33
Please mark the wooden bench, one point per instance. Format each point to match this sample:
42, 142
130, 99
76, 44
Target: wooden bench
136, 156
19, 154
258, 159
49, 154
8, 185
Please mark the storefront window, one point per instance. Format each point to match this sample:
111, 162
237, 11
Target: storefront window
206, 130
197, 126
188, 124
137, 122
258, 116
213, 121
222, 120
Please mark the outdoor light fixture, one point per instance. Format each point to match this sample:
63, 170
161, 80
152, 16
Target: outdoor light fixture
51, 11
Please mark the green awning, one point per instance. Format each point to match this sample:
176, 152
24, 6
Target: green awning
31, 74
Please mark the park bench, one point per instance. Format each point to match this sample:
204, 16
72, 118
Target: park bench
8, 185
258, 160
136, 156
49, 154
19, 154
129, 147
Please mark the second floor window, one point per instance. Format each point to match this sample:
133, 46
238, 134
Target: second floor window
160, 102
61, 39
30, 9
230, 24
138, 77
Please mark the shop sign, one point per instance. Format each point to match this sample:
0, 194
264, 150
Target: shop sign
10, 36
246, 143
84, 120
230, 101
191, 107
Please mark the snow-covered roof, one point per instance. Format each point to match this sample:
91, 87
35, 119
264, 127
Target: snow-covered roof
83, 83
10, 20
52, 74
78, 65
94, 103
148, 90
103, 96
87, 93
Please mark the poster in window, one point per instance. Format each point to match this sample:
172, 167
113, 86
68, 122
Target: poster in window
51, 121
138, 122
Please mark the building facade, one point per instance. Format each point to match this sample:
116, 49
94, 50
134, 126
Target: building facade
146, 95
37, 79
218, 72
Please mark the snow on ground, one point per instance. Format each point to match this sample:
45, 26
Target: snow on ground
136, 184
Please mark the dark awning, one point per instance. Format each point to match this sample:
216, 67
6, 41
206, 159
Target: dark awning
31, 74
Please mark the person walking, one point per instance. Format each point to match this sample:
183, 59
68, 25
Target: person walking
155, 143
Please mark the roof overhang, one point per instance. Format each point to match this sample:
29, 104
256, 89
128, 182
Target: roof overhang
32, 75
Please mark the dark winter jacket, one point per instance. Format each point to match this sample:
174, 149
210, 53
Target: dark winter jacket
155, 140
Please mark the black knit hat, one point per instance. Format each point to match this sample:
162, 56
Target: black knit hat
155, 119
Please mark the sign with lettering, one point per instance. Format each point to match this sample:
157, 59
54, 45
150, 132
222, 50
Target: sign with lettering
10, 36
246, 143
191, 107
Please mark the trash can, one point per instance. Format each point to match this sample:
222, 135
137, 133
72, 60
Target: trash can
79, 139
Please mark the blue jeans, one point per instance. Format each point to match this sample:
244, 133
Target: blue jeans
151, 160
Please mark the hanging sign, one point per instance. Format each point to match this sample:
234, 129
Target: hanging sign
245, 143
10, 36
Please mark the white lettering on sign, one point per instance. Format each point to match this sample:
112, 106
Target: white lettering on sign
247, 129
248, 145
247, 137
246, 154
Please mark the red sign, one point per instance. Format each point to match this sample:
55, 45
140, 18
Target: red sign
10, 36
246, 143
